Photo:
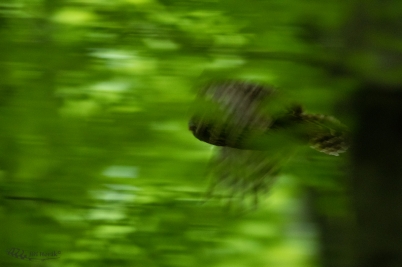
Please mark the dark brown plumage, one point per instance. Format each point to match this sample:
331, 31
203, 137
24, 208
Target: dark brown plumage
233, 113
236, 117
229, 111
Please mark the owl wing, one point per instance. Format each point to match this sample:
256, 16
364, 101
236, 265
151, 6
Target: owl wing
240, 173
231, 112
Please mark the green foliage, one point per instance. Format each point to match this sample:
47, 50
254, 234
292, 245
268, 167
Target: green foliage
97, 161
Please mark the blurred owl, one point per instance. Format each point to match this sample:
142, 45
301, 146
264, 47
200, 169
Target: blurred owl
254, 136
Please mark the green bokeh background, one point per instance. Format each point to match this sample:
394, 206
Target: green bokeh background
96, 159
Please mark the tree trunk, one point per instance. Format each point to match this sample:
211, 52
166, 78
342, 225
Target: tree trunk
377, 175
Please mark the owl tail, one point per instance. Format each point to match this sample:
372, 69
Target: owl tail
329, 135
324, 133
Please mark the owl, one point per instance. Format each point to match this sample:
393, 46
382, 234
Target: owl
254, 136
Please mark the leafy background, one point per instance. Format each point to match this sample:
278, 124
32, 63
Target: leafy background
97, 161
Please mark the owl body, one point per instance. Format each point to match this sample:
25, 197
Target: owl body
252, 141
234, 114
